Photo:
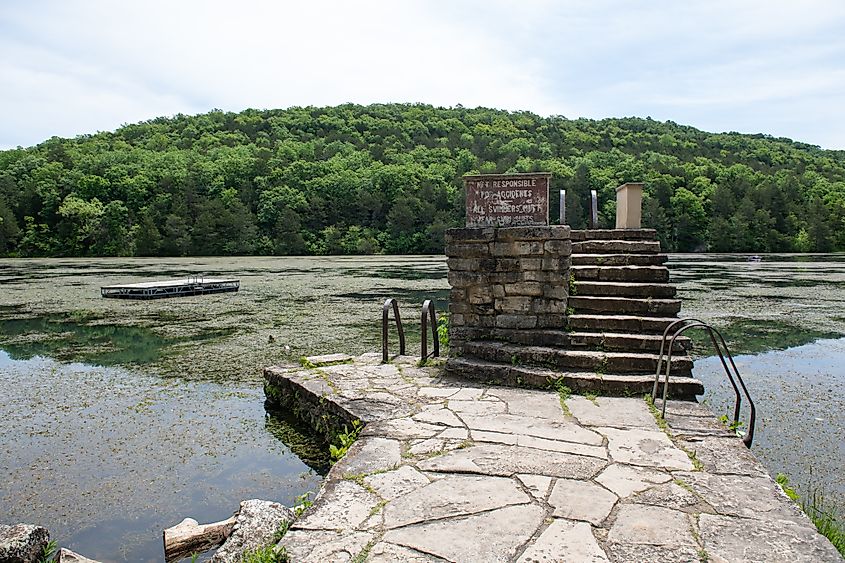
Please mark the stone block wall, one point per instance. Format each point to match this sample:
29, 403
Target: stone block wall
506, 280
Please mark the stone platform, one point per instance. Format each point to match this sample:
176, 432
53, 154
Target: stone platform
449, 471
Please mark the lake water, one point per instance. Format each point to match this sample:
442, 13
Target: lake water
784, 319
123, 417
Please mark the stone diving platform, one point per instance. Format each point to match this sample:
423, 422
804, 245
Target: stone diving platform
449, 470
170, 288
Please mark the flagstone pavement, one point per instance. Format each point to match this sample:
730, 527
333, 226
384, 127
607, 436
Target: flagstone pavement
446, 470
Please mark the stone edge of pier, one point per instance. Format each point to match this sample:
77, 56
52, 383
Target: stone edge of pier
449, 470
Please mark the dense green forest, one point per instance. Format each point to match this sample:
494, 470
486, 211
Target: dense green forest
387, 179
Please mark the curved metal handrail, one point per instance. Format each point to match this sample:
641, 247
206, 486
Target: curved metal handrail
710, 330
718, 346
428, 307
384, 318
669, 327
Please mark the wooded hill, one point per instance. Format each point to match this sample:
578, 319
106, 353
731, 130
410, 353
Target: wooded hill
387, 179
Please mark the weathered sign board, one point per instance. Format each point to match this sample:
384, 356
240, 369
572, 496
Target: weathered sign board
507, 200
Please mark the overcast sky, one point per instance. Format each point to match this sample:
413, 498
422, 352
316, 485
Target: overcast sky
69, 67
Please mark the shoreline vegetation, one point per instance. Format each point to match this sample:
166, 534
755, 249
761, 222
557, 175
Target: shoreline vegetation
386, 179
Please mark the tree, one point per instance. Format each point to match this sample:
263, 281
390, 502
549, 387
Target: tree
115, 237
387, 178
222, 229
818, 226
689, 221
147, 236
79, 225
9, 230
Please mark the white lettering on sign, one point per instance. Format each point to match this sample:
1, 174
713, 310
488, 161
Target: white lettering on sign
495, 200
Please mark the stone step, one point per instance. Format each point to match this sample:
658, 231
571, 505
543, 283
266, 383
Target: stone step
574, 360
613, 234
619, 323
624, 289
619, 259
654, 274
625, 305
619, 341
616, 247
613, 341
492, 373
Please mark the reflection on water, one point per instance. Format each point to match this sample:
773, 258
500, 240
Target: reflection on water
800, 397
400, 273
82, 338
751, 336
302, 441
106, 458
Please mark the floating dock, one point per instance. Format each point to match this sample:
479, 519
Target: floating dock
172, 288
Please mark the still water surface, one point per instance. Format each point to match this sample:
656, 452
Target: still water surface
122, 417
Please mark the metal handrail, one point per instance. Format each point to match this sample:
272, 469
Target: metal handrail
718, 346
384, 317
428, 307
669, 327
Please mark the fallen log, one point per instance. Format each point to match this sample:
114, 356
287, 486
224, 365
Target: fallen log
188, 537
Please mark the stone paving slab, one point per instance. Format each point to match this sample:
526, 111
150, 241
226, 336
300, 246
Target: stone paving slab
449, 471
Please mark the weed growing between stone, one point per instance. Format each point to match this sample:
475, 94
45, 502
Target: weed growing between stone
696, 463
303, 503
563, 392
48, 552
306, 363
443, 332
364, 553
601, 369
703, 556
345, 439
430, 363
664, 426
266, 554
824, 515
733, 426
573, 287
661, 422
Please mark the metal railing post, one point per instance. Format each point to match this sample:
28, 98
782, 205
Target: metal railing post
719, 346
428, 314
384, 318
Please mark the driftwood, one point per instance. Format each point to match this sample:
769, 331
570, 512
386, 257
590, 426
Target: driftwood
68, 556
189, 537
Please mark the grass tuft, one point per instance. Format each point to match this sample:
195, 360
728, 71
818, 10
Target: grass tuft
563, 392
824, 514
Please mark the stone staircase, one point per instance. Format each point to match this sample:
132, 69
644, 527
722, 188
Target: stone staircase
620, 302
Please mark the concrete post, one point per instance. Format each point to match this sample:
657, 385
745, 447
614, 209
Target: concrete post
629, 205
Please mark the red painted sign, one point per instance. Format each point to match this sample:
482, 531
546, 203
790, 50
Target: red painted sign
507, 200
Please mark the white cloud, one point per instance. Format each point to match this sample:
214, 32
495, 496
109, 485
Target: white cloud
139, 58
77, 66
